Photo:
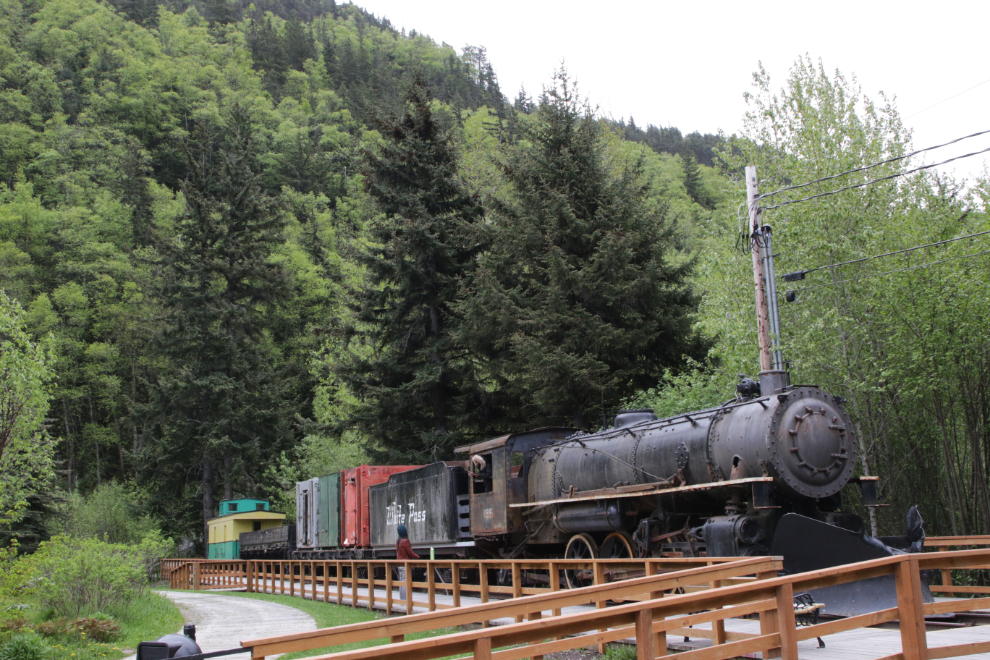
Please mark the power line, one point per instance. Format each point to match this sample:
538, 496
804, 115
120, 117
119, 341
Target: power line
801, 273
948, 99
872, 181
889, 272
869, 167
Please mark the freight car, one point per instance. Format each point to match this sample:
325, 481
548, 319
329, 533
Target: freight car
333, 515
271, 543
434, 504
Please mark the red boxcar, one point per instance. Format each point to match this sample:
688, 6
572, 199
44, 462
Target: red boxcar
354, 505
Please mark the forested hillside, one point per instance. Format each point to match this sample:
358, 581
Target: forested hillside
246, 243
201, 214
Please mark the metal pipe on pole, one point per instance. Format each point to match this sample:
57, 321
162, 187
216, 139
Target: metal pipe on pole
759, 279
771, 376
772, 308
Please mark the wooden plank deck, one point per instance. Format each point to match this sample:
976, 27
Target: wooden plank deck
860, 644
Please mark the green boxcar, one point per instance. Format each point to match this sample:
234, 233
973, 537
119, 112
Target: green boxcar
228, 550
328, 512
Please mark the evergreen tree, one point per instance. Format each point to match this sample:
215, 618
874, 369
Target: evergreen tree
694, 183
220, 403
299, 44
268, 52
575, 305
523, 102
418, 391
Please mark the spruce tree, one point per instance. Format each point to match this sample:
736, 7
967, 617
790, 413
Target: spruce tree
299, 44
419, 393
693, 181
575, 305
221, 405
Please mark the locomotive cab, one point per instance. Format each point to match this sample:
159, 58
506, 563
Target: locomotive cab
498, 477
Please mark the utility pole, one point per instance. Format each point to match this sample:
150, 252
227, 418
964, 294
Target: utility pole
772, 376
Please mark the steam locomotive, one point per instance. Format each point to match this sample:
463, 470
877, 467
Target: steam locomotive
763, 473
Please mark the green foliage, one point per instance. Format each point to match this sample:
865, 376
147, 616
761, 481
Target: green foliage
419, 395
198, 341
110, 513
576, 303
72, 577
697, 387
26, 373
26, 646
903, 348
620, 652
100, 629
98, 637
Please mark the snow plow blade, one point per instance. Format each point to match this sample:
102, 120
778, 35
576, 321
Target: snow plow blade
809, 545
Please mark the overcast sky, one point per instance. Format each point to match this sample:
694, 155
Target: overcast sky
687, 64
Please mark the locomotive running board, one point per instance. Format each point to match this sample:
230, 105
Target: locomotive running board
614, 493
810, 545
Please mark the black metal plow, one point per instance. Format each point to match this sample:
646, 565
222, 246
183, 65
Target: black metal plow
810, 545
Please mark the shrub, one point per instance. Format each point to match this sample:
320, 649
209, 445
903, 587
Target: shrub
110, 513
13, 625
97, 629
56, 628
73, 577
25, 646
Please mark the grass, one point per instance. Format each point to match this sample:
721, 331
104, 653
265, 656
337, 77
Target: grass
143, 619
328, 615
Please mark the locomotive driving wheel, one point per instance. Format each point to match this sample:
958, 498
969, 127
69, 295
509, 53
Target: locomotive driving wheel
617, 545
581, 546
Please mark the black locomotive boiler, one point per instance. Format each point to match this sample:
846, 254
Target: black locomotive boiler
761, 474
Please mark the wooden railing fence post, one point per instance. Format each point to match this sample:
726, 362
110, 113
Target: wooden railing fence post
371, 586
388, 589
554, 583
660, 641
786, 622
910, 612
483, 649
536, 616
718, 627
195, 576
431, 586
339, 577
599, 570
354, 585
645, 639
455, 580
769, 619
516, 584
409, 594
483, 586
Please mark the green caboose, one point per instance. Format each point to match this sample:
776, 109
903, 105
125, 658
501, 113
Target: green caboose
236, 516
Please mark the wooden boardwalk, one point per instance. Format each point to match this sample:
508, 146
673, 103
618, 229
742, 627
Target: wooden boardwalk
859, 644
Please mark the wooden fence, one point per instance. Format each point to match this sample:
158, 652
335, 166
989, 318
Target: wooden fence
649, 621
941, 543
327, 580
532, 607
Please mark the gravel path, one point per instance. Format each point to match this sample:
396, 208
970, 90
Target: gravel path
223, 621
